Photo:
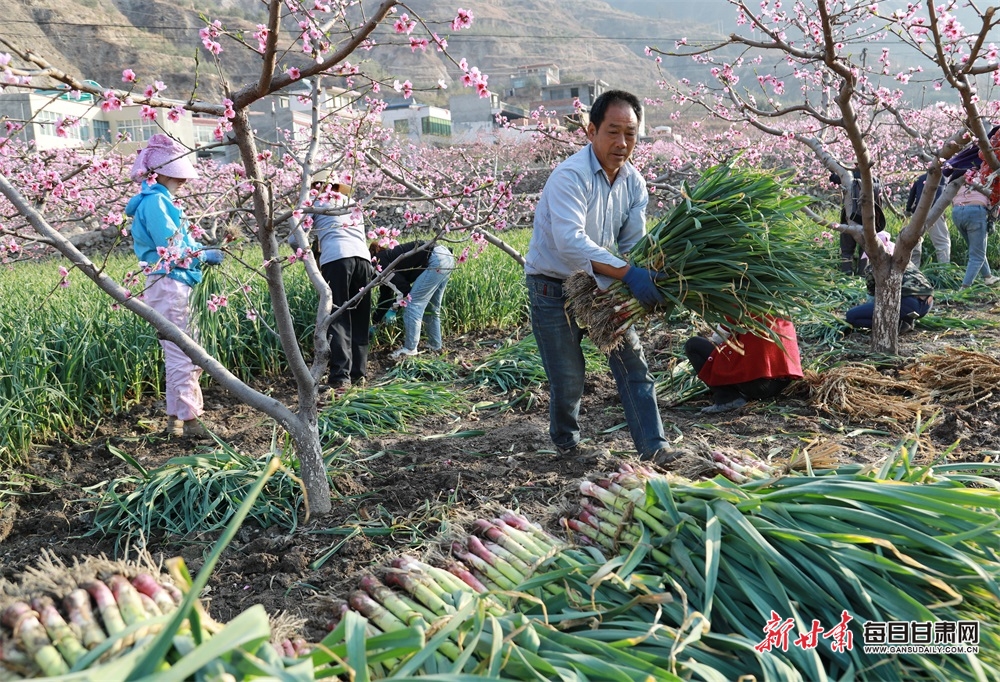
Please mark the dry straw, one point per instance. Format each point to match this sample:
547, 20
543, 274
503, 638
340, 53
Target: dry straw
858, 390
962, 378
954, 377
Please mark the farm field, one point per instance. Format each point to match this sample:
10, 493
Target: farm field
405, 486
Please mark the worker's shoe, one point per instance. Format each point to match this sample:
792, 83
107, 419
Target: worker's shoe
582, 452
725, 407
195, 429
192, 428
334, 389
662, 457
403, 352
175, 427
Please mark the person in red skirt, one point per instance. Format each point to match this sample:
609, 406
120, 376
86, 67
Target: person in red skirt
742, 367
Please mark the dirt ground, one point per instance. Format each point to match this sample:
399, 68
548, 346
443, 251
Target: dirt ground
427, 486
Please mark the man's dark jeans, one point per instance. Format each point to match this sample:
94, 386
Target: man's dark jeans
558, 338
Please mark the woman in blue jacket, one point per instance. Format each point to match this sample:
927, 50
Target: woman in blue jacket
171, 259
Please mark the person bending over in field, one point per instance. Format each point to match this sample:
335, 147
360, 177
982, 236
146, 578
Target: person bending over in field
417, 285
916, 295
592, 211
742, 367
172, 260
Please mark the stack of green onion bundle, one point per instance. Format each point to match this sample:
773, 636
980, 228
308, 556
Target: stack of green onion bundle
106, 625
728, 252
385, 407
898, 546
742, 466
435, 623
522, 604
39, 639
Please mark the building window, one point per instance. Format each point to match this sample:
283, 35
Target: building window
137, 131
46, 121
432, 125
102, 130
574, 92
402, 126
204, 135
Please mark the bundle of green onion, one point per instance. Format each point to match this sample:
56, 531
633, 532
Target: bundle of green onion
728, 252
697, 574
40, 639
521, 604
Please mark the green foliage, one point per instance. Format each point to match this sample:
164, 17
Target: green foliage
487, 291
193, 494
250, 347
384, 407
517, 365
68, 358
423, 368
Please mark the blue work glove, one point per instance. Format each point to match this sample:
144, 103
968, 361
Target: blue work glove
213, 256
642, 284
390, 317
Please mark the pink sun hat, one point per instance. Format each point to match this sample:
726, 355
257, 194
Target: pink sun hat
163, 156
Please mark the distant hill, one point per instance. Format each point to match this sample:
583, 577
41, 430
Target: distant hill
97, 39
587, 39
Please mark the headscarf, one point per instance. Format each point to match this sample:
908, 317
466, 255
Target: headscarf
883, 236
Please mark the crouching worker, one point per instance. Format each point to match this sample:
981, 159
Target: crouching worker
916, 295
742, 367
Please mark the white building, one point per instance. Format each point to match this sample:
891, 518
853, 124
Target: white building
475, 118
84, 123
41, 111
418, 122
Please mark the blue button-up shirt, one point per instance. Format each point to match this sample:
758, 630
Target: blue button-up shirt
582, 217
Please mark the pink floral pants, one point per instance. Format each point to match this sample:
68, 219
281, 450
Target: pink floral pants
171, 299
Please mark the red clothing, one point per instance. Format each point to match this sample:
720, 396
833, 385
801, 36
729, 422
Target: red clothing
761, 358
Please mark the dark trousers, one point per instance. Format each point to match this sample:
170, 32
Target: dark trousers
910, 308
348, 334
698, 348
850, 254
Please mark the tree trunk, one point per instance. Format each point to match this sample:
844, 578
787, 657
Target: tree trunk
303, 426
888, 272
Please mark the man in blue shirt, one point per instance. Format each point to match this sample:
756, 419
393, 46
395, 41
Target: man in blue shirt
593, 207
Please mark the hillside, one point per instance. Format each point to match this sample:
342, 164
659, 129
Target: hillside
97, 39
